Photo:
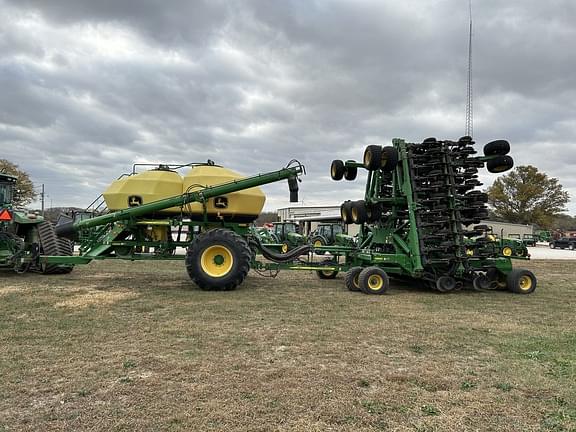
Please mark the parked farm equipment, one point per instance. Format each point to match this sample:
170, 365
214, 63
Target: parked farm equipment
328, 234
25, 234
418, 199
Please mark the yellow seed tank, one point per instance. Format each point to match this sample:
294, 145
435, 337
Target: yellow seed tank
157, 184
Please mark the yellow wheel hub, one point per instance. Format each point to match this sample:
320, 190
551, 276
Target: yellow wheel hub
469, 252
525, 283
354, 214
368, 158
284, 247
318, 243
507, 251
375, 282
217, 261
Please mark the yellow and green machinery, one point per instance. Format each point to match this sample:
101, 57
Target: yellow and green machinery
418, 199
24, 236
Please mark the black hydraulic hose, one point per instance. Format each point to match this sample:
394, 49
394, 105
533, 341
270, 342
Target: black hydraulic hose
278, 257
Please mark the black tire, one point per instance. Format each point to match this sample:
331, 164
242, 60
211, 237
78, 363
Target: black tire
552, 246
351, 279
521, 281
65, 248
359, 212
483, 283
389, 158
372, 157
498, 147
49, 245
327, 274
445, 284
337, 170
373, 280
571, 246
500, 164
319, 241
218, 259
346, 212
350, 173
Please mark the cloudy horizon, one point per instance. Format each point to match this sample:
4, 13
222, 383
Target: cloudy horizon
89, 88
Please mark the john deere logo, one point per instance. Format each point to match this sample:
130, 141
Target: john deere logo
221, 202
134, 201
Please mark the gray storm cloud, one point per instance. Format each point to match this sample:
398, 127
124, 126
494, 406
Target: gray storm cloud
88, 88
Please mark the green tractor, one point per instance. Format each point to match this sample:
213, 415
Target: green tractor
543, 236
529, 240
329, 234
287, 234
488, 244
25, 236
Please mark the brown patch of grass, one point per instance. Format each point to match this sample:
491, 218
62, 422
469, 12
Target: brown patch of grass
138, 347
96, 298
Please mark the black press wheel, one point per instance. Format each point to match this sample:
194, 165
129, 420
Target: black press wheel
521, 281
482, 283
373, 157
351, 279
498, 147
218, 259
445, 284
337, 170
500, 164
389, 158
373, 280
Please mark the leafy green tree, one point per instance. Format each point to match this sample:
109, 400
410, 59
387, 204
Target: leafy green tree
527, 196
564, 222
25, 192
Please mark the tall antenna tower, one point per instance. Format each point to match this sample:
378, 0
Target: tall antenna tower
469, 129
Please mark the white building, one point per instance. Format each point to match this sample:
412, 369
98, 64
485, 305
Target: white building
309, 217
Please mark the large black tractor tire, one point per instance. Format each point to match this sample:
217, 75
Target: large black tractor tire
359, 212
218, 259
51, 245
337, 170
373, 157
389, 158
521, 281
319, 241
351, 278
498, 147
350, 173
373, 280
500, 164
346, 212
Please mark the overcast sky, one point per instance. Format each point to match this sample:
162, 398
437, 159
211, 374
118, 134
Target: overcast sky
90, 87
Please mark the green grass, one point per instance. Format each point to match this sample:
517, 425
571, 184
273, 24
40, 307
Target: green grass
135, 346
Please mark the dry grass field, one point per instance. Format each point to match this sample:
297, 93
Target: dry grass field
136, 347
